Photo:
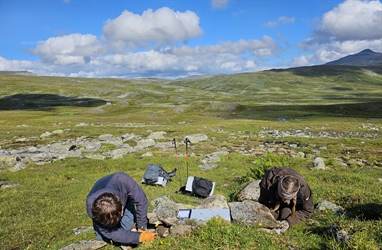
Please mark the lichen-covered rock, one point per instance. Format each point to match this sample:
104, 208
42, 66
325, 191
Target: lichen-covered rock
252, 213
250, 192
85, 245
326, 205
195, 138
215, 201
167, 212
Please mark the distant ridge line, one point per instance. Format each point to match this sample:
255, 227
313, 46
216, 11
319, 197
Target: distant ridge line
366, 57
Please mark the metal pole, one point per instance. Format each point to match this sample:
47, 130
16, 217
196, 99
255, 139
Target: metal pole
177, 162
187, 141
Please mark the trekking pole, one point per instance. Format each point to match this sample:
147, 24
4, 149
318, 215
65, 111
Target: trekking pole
177, 162
187, 141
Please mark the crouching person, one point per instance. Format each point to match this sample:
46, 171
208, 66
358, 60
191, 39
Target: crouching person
285, 192
116, 203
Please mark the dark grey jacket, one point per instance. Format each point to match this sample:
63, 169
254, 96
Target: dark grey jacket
268, 193
125, 188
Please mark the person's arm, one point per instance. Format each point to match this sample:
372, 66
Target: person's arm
118, 235
129, 187
307, 208
264, 197
267, 197
141, 204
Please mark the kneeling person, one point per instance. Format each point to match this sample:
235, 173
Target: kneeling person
286, 193
115, 203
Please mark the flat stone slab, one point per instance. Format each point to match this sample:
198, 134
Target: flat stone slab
85, 245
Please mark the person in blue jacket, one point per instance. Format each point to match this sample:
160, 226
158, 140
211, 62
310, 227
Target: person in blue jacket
115, 203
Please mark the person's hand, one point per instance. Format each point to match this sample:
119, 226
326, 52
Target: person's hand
147, 236
284, 226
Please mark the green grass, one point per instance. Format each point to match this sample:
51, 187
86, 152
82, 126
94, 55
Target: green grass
344, 102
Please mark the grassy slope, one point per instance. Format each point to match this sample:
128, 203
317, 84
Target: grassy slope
231, 109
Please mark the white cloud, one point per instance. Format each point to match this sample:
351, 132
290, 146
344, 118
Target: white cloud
264, 47
78, 55
156, 34
250, 64
285, 19
271, 24
14, 65
65, 50
140, 63
68, 59
347, 29
282, 19
219, 4
353, 20
301, 61
163, 26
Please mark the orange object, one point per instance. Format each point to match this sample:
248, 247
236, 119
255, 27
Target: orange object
147, 236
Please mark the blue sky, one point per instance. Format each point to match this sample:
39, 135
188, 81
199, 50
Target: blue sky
175, 38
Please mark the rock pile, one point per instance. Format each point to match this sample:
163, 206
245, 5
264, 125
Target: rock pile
165, 212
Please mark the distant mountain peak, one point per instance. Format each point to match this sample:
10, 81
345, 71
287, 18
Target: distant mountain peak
366, 57
366, 50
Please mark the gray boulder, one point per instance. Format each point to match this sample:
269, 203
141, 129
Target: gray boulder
118, 153
215, 201
157, 135
195, 138
85, 245
250, 192
252, 213
167, 211
105, 137
326, 205
145, 143
318, 163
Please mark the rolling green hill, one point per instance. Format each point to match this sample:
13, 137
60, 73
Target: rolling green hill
334, 112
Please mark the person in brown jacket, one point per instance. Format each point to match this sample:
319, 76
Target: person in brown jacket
285, 192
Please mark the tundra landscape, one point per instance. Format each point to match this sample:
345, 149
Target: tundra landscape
60, 134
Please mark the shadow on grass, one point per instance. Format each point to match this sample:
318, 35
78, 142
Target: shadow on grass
365, 212
46, 101
367, 109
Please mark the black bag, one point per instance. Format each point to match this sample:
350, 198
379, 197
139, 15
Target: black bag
153, 172
201, 187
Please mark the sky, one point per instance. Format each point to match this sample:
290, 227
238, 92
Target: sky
180, 38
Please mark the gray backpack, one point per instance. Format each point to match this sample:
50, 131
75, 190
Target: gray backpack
153, 172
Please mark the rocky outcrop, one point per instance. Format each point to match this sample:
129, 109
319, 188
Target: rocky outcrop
164, 215
83, 147
108, 146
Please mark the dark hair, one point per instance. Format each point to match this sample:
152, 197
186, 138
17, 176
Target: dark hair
107, 209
